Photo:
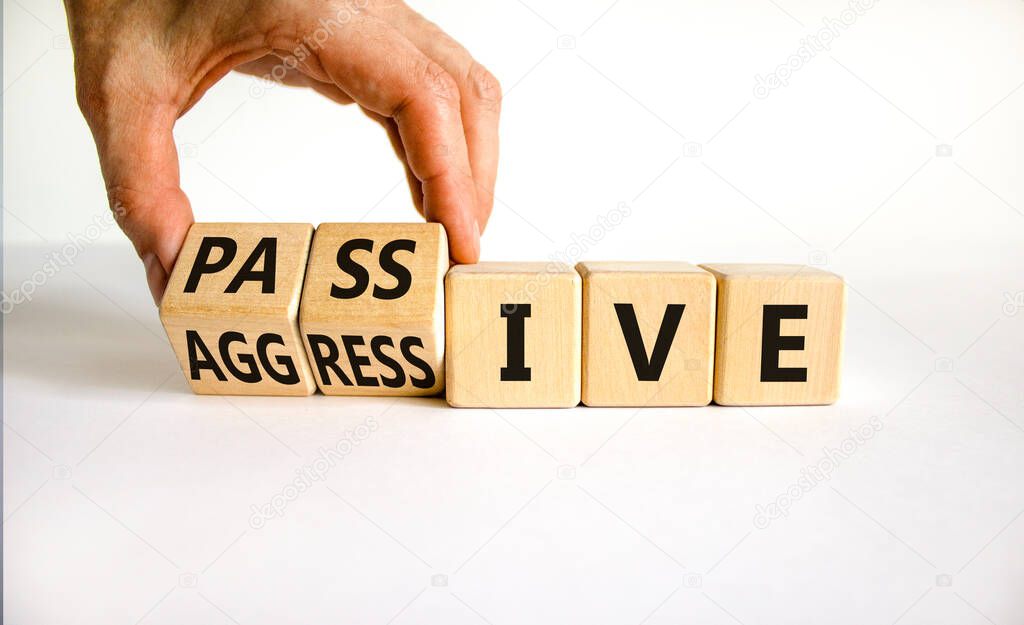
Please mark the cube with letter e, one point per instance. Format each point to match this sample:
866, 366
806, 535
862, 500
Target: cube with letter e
231, 309
779, 339
372, 313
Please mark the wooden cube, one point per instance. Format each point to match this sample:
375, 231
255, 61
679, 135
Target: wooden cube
648, 334
780, 335
231, 309
372, 314
514, 335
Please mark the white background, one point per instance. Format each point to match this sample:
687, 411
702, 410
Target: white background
893, 159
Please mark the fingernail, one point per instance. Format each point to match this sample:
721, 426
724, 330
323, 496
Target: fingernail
155, 276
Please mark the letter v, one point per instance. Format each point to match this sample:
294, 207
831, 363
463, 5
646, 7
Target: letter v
649, 369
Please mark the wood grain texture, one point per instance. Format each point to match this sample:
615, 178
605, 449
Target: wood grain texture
759, 304
235, 336
476, 297
372, 313
674, 300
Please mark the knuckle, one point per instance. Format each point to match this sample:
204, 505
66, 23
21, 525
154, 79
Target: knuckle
484, 85
124, 206
123, 203
98, 78
440, 84
114, 89
93, 91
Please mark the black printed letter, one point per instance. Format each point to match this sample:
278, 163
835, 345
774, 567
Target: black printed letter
290, 375
772, 343
649, 370
202, 264
515, 343
395, 268
428, 380
352, 268
195, 344
326, 362
267, 250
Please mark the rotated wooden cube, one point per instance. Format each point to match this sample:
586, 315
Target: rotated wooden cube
780, 335
372, 313
514, 335
231, 309
648, 334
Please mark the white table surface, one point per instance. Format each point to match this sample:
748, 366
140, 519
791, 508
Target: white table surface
130, 500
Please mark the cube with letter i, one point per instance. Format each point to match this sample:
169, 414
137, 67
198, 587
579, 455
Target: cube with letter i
780, 335
514, 335
648, 334
372, 313
231, 309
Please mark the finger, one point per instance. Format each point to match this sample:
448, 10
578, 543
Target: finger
286, 71
385, 73
481, 100
415, 188
140, 166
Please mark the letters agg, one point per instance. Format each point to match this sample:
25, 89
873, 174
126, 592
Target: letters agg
373, 309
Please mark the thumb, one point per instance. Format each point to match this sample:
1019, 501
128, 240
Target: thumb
140, 167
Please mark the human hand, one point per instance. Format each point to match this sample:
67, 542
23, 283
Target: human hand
141, 64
